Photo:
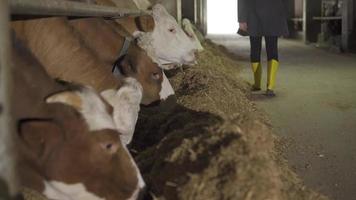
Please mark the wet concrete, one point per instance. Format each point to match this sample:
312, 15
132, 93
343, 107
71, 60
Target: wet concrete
315, 110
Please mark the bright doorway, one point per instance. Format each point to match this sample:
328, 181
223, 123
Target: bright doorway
222, 16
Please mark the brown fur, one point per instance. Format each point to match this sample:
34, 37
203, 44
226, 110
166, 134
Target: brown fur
84, 50
102, 37
55, 143
63, 53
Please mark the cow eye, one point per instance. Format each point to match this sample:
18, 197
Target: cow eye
156, 76
172, 30
109, 147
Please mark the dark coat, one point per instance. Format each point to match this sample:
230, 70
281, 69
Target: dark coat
264, 17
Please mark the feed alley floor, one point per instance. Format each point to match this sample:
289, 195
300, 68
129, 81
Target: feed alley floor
315, 111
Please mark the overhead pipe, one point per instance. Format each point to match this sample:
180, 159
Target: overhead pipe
67, 8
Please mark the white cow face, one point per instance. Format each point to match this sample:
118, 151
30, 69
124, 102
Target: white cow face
168, 43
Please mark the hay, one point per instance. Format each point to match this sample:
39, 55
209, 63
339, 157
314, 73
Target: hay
29, 194
214, 143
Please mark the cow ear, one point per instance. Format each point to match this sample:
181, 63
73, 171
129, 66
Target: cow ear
126, 67
159, 8
40, 136
71, 98
145, 23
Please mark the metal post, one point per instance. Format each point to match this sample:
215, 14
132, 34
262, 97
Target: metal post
305, 21
347, 23
66, 8
205, 16
311, 28
195, 12
179, 11
7, 150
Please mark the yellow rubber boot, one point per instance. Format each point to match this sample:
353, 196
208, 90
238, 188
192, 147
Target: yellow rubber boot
257, 74
272, 69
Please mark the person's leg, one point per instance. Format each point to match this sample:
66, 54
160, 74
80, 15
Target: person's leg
273, 63
256, 45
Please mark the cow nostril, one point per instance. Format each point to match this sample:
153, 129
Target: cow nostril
196, 53
108, 146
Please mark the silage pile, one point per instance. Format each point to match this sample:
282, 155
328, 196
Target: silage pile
212, 143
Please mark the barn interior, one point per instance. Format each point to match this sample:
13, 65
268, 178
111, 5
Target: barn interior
215, 139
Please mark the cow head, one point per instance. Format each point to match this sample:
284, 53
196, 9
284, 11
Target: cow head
138, 65
168, 44
79, 152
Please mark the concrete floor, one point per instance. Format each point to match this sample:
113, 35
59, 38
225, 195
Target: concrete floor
315, 110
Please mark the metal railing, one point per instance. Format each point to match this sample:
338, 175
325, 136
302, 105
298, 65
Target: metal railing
7, 149
67, 8
328, 18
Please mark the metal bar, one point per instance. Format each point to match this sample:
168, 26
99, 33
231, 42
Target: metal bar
179, 11
67, 8
296, 19
195, 12
7, 149
327, 18
205, 17
305, 17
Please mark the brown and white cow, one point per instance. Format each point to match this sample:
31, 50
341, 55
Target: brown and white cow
73, 51
68, 55
66, 150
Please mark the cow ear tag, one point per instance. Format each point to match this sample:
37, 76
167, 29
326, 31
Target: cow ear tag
70, 98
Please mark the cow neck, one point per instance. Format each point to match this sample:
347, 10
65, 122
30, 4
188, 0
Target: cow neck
123, 52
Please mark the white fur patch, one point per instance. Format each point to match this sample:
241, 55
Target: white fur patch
167, 89
126, 104
93, 109
60, 191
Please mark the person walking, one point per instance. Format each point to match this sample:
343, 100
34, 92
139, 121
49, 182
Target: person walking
268, 19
